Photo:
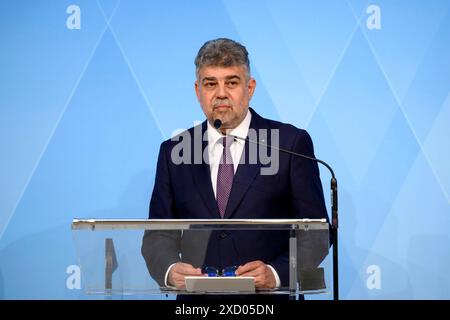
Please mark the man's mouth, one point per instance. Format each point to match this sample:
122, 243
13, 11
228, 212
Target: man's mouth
221, 107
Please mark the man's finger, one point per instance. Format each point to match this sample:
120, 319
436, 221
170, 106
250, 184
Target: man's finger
187, 269
248, 267
179, 271
251, 273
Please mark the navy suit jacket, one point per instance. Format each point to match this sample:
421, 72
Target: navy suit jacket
184, 191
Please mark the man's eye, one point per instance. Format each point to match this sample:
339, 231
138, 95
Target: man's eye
210, 84
232, 83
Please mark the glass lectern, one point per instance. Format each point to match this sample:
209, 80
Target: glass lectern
114, 261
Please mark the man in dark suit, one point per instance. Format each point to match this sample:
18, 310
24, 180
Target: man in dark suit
212, 177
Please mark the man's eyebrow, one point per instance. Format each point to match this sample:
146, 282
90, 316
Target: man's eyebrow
209, 79
230, 77
234, 76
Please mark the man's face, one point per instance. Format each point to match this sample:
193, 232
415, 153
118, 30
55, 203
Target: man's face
224, 93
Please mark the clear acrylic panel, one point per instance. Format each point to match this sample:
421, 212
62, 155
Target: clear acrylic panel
129, 257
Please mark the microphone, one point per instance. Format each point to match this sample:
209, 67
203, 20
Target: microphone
334, 199
217, 124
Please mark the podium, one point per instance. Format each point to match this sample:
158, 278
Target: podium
130, 257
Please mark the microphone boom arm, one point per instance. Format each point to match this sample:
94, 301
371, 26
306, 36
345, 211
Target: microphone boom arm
334, 207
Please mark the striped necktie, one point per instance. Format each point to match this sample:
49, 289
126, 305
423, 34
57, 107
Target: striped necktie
225, 176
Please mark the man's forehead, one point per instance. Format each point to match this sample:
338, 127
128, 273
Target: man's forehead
221, 72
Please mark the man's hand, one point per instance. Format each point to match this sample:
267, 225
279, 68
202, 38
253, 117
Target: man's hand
264, 277
180, 270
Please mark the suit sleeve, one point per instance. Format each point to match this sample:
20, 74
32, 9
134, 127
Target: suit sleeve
307, 199
160, 248
307, 192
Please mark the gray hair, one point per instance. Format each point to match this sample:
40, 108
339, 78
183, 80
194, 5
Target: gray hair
222, 52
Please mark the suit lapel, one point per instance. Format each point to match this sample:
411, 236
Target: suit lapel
202, 178
245, 173
244, 177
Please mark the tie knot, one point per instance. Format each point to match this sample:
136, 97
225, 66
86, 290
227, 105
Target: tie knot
227, 141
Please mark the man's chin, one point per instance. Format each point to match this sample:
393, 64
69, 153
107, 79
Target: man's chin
227, 125
225, 116
223, 113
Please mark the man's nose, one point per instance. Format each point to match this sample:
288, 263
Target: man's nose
221, 91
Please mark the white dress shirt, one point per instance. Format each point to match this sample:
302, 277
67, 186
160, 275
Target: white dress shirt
215, 150
215, 147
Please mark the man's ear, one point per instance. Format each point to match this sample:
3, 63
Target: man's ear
197, 90
251, 87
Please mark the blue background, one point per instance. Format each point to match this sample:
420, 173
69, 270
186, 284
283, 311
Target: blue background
82, 114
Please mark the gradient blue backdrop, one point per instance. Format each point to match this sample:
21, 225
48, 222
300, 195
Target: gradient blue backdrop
82, 114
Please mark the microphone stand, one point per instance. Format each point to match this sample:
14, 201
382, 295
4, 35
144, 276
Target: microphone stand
334, 207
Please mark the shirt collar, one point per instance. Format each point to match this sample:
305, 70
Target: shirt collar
240, 131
